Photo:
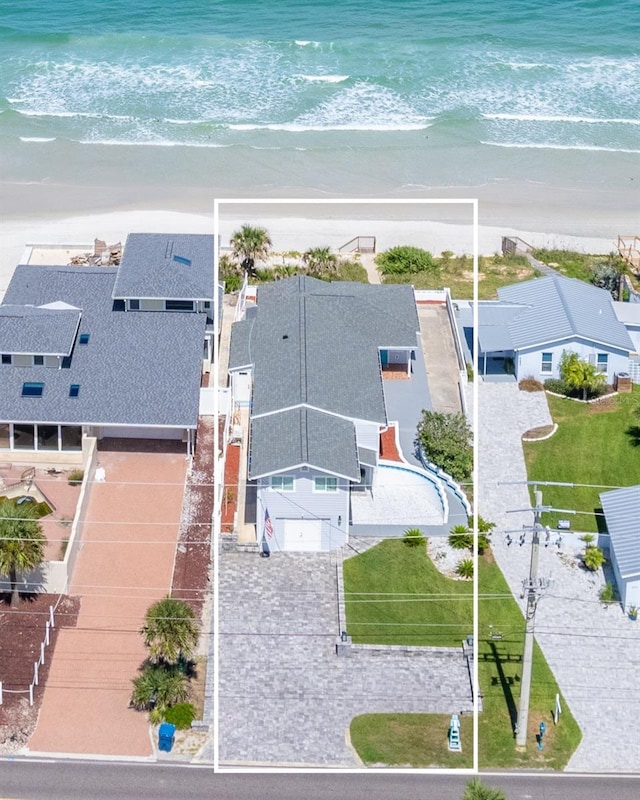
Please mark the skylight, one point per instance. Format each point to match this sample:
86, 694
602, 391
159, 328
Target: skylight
74, 390
32, 389
182, 260
84, 338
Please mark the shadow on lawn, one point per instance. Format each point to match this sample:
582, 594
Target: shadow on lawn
506, 683
633, 432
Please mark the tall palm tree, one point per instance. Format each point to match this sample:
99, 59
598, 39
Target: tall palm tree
21, 543
250, 244
170, 631
320, 261
579, 374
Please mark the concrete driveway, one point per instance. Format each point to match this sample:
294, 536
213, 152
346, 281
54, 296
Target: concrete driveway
285, 697
594, 651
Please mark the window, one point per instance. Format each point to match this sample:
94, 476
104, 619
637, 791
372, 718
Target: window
74, 390
66, 362
32, 389
47, 437
134, 305
6, 358
71, 437
207, 304
178, 305
38, 361
84, 338
547, 362
118, 305
23, 437
602, 362
282, 483
326, 485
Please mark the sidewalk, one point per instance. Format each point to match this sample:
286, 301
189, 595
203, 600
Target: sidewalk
121, 570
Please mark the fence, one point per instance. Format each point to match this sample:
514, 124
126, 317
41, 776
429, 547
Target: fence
49, 625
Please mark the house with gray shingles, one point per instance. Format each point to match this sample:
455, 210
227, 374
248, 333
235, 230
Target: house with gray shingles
534, 322
316, 353
622, 514
79, 356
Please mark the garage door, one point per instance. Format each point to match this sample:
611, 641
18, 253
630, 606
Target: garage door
302, 534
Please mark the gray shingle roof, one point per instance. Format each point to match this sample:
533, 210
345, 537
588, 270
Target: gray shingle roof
622, 512
139, 368
153, 266
239, 347
303, 437
562, 308
37, 331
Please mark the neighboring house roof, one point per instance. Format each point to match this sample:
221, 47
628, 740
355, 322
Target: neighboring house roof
138, 368
175, 266
563, 308
37, 331
622, 512
494, 321
627, 313
303, 437
240, 345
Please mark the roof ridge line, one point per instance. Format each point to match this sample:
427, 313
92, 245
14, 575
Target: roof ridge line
563, 302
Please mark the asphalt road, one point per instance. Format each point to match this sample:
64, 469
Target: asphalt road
23, 779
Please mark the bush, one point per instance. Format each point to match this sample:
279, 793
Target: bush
465, 568
446, 440
461, 538
608, 593
593, 558
75, 477
404, 260
414, 538
530, 384
557, 385
181, 715
469, 372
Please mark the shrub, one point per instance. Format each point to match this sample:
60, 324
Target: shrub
588, 538
530, 384
159, 685
465, 568
181, 715
557, 385
405, 259
414, 538
593, 558
469, 372
446, 440
608, 593
75, 477
461, 538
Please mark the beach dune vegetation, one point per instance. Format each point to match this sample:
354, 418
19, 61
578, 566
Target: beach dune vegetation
320, 261
250, 244
405, 259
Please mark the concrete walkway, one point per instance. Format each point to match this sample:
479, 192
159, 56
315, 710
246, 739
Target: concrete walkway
594, 651
121, 570
440, 358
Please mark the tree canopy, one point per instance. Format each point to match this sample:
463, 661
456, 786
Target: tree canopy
580, 374
170, 631
447, 441
320, 261
21, 543
250, 244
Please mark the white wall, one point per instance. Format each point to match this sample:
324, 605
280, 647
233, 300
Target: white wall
530, 362
367, 434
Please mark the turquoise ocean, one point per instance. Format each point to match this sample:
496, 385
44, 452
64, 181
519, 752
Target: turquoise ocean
359, 97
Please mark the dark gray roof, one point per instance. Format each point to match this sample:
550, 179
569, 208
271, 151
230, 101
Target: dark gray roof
239, 347
139, 368
622, 512
317, 343
303, 437
37, 331
154, 266
563, 308
367, 456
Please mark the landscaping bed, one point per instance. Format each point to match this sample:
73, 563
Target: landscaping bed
22, 631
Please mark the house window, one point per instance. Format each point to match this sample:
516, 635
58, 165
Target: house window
71, 437
47, 437
282, 483
84, 338
74, 390
326, 485
32, 389
547, 362
6, 358
602, 362
134, 305
178, 305
38, 361
24, 437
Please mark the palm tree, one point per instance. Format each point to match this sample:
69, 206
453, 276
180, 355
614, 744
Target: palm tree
579, 374
461, 538
159, 686
475, 790
320, 261
21, 543
250, 244
170, 631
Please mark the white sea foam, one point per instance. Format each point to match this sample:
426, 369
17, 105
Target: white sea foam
324, 78
79, 114
37, 138
563, 118
548, 146
156, 143
294, 127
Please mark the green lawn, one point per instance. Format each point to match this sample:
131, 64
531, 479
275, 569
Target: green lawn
595, 444
499, 669
395, 595
411, 740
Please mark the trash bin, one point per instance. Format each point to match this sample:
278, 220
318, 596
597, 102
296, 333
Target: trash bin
166, 736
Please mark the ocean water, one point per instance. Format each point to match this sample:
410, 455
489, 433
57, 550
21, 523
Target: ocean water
340, 95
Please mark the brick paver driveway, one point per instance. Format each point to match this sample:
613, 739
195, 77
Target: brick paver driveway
594, 651
285, 697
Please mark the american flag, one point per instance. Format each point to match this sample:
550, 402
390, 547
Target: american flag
268, 527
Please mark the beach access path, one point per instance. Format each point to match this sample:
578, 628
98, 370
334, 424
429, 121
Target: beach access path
125, 564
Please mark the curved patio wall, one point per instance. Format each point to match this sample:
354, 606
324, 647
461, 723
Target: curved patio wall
434, 469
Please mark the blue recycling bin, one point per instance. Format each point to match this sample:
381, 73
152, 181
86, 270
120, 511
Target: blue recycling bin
166, 737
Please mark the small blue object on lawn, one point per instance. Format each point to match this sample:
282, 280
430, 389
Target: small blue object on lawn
166, 736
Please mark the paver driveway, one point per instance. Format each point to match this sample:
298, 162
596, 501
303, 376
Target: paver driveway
285, 697
593, 651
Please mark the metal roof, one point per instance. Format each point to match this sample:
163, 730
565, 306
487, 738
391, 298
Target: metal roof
139, 368
172, 266
622, 512
562, 308
627, 313
302, 436
37, 331
494, 320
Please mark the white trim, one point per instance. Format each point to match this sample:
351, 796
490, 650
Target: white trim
284, 470
382, 423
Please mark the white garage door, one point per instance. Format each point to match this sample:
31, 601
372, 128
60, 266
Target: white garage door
302, 534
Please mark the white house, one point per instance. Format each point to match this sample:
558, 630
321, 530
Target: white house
622, 513
534, 322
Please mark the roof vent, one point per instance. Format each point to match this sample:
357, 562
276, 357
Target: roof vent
285, 336
182, 260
